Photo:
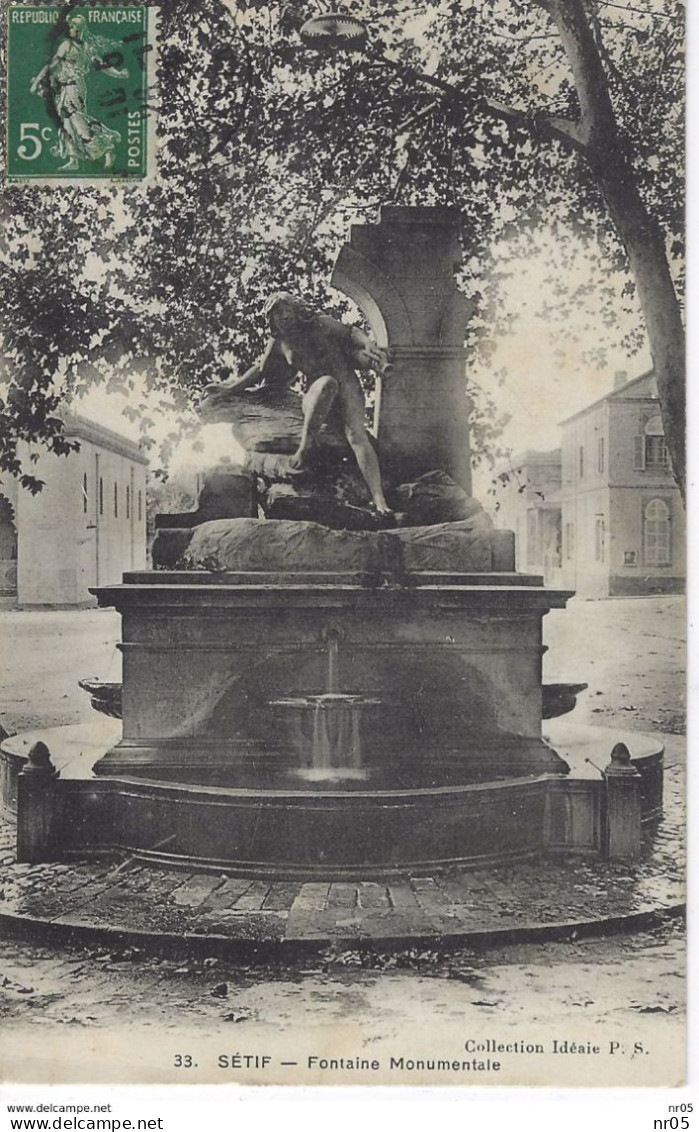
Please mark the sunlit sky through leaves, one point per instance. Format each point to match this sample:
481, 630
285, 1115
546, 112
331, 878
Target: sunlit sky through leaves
557, 318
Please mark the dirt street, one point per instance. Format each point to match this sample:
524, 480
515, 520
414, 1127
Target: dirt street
591, 989
631, 653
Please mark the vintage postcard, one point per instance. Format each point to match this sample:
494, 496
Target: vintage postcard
342, 544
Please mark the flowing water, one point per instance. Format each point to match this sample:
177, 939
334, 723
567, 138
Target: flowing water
335, 724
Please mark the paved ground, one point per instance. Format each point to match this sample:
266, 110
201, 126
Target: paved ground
527, 897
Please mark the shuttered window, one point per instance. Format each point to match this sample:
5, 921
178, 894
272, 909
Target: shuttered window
656, 452
532, 537
656, 533
570, 540
649, 449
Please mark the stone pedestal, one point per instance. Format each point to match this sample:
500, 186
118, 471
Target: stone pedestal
622, 840
400, 272
37, 804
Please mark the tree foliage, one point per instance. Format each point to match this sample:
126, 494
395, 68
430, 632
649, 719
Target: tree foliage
267, 150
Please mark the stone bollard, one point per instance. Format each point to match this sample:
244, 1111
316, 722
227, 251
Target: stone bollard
622, 827
36, 807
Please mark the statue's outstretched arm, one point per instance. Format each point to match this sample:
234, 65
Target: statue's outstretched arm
271, 366
253, 376
364, 354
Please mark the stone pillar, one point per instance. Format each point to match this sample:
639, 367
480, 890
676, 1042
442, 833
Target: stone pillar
36, 807
400, 272
622, 828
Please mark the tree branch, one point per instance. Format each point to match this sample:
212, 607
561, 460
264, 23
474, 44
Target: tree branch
577, 36
571, 132
566, 129
642, 237
640, 11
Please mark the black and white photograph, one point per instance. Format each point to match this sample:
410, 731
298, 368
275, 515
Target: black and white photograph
342, 545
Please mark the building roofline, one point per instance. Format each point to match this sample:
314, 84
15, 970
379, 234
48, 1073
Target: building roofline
84, 429
530, 456
613, 393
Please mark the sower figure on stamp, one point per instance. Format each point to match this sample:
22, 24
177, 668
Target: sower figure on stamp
64, 82
327, 353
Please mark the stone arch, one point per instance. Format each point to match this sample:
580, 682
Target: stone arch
458, 311
654, 426
375, 295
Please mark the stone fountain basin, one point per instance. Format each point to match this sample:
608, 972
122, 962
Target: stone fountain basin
324, 833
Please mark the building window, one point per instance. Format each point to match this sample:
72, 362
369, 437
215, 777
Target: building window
128, 502
84, 493
599, 538
570, 540
649, 449
600, 454
116, 500
656, 533
532, 537
101, 496
581, 462
630, 558
140, 507
656, 452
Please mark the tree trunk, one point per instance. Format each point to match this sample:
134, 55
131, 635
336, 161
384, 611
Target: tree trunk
645, 247
596, 137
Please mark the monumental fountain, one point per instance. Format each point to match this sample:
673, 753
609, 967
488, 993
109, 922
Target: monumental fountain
311, 689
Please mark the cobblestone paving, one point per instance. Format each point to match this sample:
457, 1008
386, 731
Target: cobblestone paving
125, 896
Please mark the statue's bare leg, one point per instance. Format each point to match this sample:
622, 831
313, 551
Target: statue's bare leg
316, 406
352, 399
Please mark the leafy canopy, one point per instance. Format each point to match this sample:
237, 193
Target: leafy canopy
268, 150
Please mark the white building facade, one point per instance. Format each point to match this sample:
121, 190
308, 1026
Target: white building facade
623, 521
84, 528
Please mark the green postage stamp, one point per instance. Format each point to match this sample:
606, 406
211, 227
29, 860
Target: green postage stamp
78, 88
